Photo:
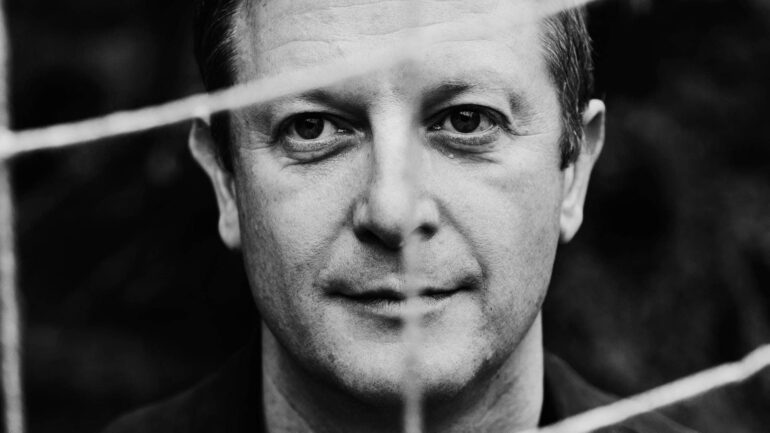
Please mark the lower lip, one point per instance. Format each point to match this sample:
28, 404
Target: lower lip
419, 306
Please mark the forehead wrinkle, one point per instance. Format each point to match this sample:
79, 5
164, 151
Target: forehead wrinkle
296, 8
301, 51
293, 33
285, 23
306, 48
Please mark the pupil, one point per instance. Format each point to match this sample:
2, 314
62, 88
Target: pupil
465, 121
309, 128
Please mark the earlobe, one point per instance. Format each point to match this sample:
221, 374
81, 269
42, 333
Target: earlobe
203, 149
577, 175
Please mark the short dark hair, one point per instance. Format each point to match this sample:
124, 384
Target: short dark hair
565, 39
570, 63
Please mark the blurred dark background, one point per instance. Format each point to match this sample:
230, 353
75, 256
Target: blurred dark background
129, 296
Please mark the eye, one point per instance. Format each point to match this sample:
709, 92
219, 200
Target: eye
312, 127
464, 120
313, 136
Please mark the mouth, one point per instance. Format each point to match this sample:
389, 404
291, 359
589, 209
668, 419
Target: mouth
387, 296
394, 303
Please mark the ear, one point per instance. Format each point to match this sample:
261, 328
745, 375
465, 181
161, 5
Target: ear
576, 176
204, 151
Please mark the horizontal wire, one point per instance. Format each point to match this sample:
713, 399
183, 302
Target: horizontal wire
665, 395
195, 106
266, 89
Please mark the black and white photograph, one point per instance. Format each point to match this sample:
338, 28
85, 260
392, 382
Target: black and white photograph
385, 216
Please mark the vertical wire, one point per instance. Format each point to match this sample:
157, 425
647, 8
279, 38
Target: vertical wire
10, 335
11, 338
412, 333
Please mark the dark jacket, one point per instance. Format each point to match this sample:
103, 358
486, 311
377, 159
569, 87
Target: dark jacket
231, 401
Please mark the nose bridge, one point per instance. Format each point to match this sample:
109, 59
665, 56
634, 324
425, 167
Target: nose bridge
393, 190
395, 160
396, 150
392, 206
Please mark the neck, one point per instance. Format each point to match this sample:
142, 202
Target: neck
508, 399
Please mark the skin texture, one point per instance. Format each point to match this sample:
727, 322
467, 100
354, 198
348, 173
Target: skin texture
479, 214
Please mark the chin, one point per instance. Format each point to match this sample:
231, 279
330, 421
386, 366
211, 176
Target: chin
374, 375
448, 374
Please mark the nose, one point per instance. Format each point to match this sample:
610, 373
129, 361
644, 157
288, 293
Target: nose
395, 204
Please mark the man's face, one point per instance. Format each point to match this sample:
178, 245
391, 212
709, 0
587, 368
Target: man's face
459, 148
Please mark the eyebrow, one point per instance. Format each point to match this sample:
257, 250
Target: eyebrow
319, 96
265, 113
429, 97
323, 96
449, 89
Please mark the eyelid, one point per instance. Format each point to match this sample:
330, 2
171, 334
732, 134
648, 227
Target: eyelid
303, 151
495, 116
282, 130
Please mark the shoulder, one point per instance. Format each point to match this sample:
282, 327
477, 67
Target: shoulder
173, 415
568, 394
228, 401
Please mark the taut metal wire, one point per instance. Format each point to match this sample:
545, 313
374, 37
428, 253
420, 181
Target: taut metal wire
665, 395
10, 322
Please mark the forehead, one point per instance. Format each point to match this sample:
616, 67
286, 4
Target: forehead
498, 39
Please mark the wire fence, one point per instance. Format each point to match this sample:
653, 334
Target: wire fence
202, 106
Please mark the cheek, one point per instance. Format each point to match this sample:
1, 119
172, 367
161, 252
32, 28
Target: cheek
509, 213
288, 220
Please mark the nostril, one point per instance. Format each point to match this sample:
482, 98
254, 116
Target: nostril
392, 240
377, 222
384, 219
388, 239
427, 230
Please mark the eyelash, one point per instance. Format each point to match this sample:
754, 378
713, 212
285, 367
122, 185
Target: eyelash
497, 118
